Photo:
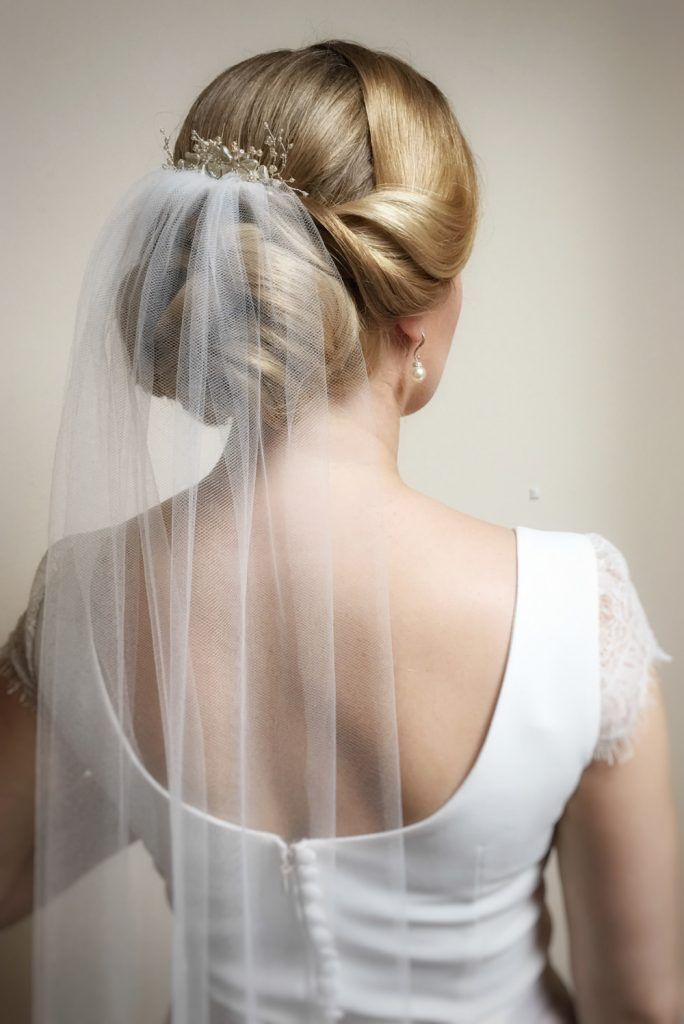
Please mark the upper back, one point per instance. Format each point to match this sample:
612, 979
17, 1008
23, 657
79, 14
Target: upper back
453, 587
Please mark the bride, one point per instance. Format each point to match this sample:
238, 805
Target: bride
345, 723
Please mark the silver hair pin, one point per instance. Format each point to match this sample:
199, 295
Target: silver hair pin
215, 158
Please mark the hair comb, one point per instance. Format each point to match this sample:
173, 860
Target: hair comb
215, 158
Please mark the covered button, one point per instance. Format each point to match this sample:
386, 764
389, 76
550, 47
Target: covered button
305, 855
311, 890
328, 987
314, 913
330, 968
321, 934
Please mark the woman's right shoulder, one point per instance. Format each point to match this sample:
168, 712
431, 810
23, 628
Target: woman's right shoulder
452, 561
452, 526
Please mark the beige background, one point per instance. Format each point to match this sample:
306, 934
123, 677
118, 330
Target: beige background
567, 371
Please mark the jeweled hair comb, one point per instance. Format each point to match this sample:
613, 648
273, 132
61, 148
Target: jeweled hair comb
215, 158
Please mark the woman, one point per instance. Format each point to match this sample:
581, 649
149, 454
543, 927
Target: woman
347, 722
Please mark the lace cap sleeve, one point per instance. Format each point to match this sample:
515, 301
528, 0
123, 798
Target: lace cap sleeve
18, 655
628, 648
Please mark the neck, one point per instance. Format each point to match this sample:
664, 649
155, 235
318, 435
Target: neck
360, 433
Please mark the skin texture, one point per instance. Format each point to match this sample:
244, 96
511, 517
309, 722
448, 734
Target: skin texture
617, 842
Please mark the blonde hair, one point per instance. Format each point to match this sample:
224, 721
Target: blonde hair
392, 182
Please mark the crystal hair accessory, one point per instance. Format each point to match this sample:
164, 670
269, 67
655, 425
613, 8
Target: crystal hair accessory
215, 158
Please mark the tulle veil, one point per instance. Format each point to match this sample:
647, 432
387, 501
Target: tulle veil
216, 667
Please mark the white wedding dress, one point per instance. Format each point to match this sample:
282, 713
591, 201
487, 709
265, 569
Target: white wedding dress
575, 684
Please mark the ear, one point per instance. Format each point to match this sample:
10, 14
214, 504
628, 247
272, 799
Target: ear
407, 330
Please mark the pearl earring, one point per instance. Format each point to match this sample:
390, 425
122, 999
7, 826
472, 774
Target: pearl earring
418, 370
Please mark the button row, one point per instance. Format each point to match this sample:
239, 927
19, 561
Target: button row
313, 909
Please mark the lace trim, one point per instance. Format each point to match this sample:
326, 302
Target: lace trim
18, 654
628, 652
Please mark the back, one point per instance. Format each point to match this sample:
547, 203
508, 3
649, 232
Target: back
453, 598
506, 703
478, 925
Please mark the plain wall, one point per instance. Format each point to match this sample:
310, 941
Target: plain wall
567, 369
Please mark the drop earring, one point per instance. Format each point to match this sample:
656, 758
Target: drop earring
418, 370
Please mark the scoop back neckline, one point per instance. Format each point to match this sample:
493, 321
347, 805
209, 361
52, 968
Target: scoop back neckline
414, 827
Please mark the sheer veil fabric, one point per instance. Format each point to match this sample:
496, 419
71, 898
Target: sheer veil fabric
216, 577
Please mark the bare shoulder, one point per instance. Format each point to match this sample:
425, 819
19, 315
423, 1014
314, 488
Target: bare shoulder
451, 542
453, 584
455, 576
